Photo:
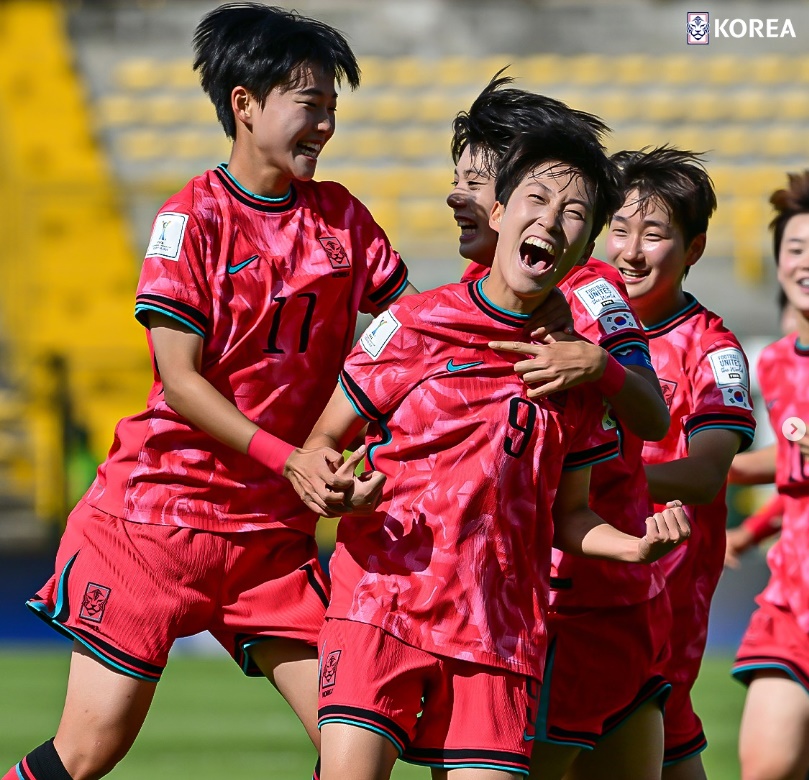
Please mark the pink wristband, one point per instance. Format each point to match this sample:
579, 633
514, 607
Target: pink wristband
269, 450
613, 378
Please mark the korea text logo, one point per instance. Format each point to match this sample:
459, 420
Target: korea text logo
699, 31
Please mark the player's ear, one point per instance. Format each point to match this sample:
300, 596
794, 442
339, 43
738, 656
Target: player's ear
241, 101
695, 249
496, 216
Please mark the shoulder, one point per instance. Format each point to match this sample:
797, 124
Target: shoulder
442, 303
775, 353
597, 286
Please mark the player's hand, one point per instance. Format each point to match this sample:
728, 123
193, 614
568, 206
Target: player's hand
366, 488
664, 531
319, 479
560, 363
554, 315
739, 540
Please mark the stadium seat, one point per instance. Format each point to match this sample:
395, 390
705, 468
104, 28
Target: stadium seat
634, 69
542, 71
590, 70
137, 74
678, 70
770, 69
792, 104
118, 109
724, 70
752, 105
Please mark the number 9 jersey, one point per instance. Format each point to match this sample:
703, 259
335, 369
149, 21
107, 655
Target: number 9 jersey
456, 559
273, 288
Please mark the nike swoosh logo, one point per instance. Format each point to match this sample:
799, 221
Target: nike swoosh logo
234, 269
453, 367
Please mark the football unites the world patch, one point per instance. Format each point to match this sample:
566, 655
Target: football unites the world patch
167, 235
599, 297
729, 367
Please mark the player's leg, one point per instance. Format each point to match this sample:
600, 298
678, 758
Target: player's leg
774, 734
550, 762
103, 713
690, 768
291, 666
274, 602
353, 753
634, 751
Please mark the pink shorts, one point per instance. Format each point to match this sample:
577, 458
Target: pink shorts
603, 664
691, 604
773, 641
126, 590
438, 712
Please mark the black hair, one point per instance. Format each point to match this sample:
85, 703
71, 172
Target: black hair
260, 47
675, 177
788, 202
576, 152
498, 115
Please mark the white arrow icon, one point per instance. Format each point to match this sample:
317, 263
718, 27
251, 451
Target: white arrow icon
794, 428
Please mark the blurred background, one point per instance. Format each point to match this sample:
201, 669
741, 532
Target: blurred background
102, 117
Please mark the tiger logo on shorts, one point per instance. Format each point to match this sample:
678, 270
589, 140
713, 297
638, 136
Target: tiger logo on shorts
94, 602
328, 675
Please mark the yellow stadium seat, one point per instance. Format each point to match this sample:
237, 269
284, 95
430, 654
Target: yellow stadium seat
425, 217
368, 144
489, 66
589, 70
633, 69
725, 70
411, 72
374, 72
179, 74
543, 70
734, 141
436, 108
137, 74
392, 107
770, 69
457, 72
616, 106
785, 141
420, 144
664, 106
751, 105
678, 70
706, 106
141, 145
193, 144
792, 105
118, 109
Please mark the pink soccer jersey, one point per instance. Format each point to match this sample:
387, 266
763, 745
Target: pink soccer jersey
783, 372
705, 380
273, 288
475, 271
456, 560
618, 490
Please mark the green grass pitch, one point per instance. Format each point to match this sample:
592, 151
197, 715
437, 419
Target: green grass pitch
208, 721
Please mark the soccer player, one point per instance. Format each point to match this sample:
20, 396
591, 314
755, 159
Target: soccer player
250, 288
653, 240
620, 607
773, 659
435, 639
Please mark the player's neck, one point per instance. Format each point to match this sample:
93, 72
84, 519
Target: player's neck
501, 295
260, 179
802, 322
653, 312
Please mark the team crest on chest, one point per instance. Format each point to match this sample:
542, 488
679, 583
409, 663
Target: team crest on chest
668, 388
94, 602
335, 252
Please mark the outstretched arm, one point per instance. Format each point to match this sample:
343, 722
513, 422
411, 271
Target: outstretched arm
755, 467
178, 354
579, 530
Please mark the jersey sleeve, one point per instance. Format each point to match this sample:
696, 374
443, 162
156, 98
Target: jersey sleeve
387, 272
721, 393
386, 363
173, 279
602, 314
595, 432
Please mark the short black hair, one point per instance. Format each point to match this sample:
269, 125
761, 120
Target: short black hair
498, 116
260, 47
788, 202
675, 177
575, 151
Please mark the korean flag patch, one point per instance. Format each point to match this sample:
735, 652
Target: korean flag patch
729, 367
379, 333
621, 320
736, 396
599, 297
167, 235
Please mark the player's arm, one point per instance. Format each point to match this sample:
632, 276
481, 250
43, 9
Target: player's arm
178, 354
579, 530
565, 361
337, 426
409, 289
754, 530
755, 467
698, 477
